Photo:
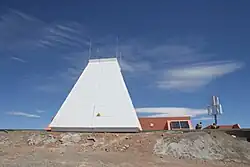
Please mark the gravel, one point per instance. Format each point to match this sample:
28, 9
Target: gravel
207, 146
124, 149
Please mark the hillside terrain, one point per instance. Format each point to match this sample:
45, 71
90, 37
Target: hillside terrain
151, 149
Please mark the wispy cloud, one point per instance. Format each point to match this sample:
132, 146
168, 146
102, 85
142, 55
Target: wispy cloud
18, 59
64, 38
171, 111
28, 36
174, 64
40, 111
136, 57
22, 15
194, 76
28, 33
135, 66
169, 66
49, 87
19, 31
23, 114
175, 53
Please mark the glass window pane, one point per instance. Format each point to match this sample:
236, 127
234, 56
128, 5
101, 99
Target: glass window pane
175, 125
184, 124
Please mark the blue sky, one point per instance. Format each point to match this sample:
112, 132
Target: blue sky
175, 55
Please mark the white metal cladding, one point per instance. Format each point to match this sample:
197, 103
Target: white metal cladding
99, 101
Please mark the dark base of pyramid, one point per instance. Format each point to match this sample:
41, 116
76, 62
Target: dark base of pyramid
103, 129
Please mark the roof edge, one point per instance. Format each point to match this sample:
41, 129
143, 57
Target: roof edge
102, 60
166, 117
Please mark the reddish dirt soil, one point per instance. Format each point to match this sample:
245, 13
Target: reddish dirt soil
41, 149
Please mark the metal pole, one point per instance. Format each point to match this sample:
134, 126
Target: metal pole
117, 47
90, 48
215, 119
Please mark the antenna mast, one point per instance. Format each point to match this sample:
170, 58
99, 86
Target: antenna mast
120, 56
118, 51
215, 108
90, 48
117, 47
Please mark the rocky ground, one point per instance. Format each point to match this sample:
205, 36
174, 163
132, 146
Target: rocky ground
152, 149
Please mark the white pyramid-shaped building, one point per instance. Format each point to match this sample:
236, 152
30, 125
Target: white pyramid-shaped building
98, 102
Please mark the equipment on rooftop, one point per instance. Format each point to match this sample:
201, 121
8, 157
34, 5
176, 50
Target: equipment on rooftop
215, 108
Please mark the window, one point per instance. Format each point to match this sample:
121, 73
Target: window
179, 125
184, 124
175, 125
